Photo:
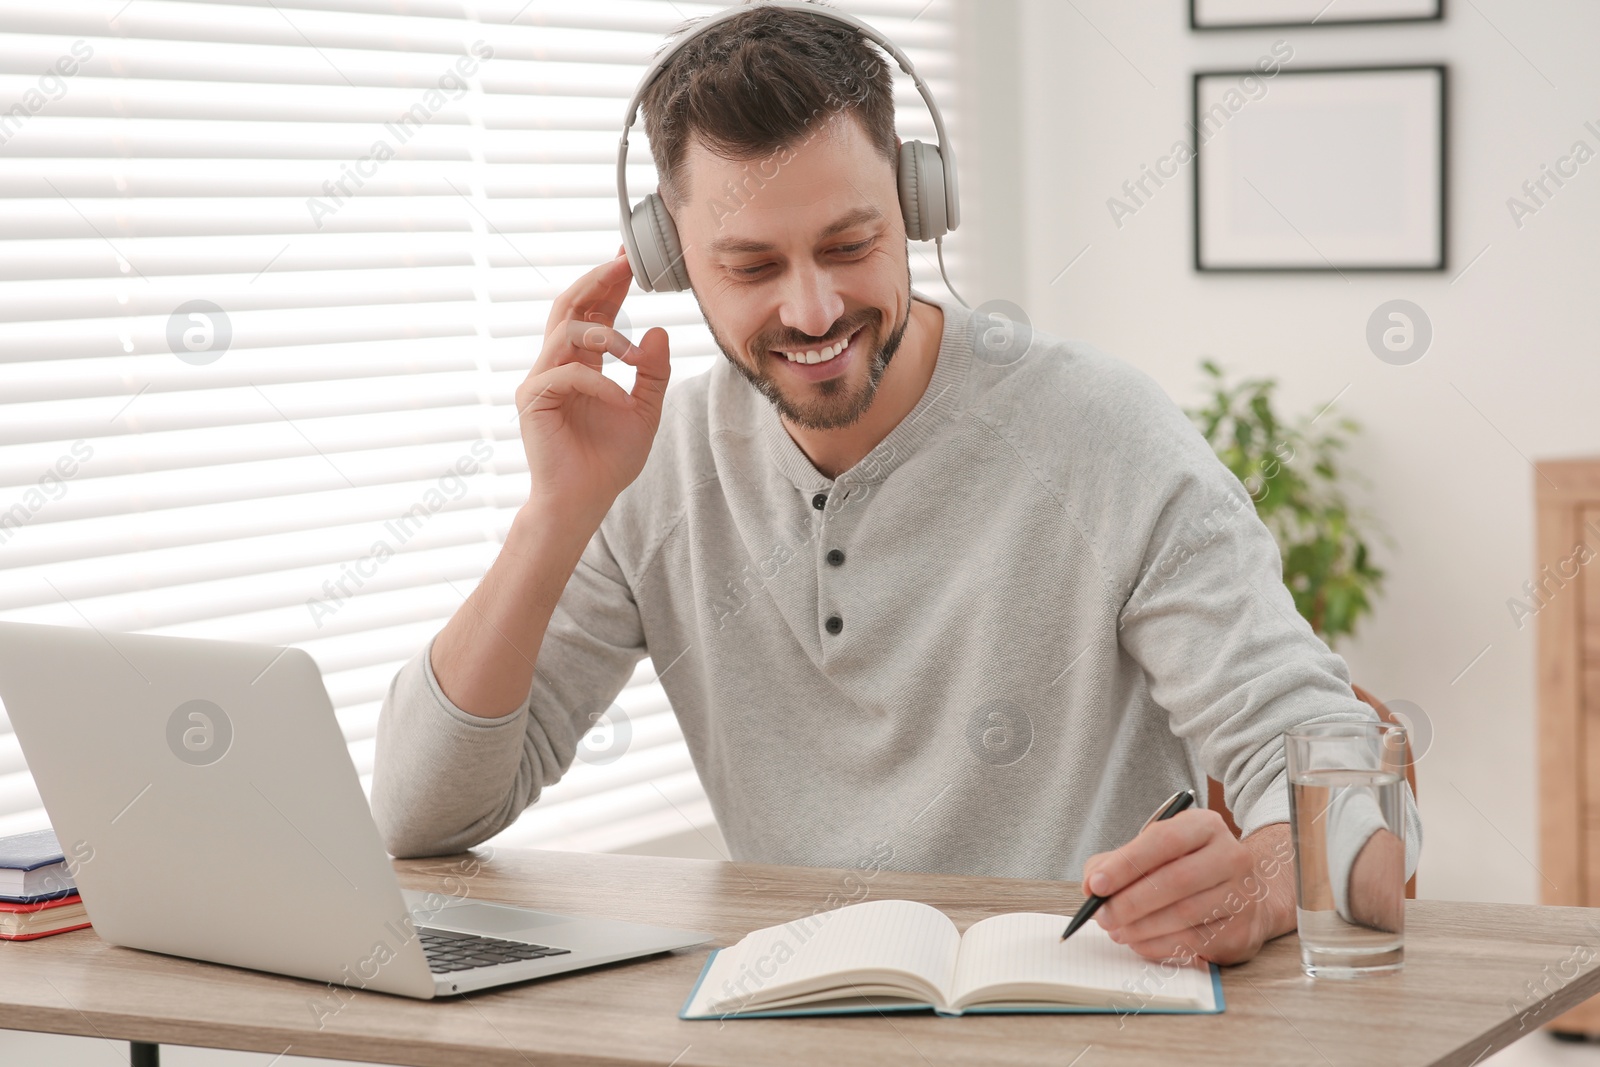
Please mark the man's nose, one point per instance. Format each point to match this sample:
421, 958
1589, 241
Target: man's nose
810, 304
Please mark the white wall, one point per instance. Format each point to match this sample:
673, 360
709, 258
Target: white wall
1512, 373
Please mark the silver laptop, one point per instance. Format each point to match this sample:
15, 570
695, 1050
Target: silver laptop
206, 802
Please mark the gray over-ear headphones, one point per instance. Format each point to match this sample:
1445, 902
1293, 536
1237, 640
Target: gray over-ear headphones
926, 173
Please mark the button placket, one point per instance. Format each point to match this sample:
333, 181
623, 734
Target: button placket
832, 531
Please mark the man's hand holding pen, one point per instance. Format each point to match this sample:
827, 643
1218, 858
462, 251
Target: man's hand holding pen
1186, 887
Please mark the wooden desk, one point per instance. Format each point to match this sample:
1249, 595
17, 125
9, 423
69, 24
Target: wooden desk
1462, 994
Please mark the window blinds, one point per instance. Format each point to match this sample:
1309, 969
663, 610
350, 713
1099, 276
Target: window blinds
269, 274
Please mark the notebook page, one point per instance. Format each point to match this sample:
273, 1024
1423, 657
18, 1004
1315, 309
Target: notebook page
902, 934
1027, 947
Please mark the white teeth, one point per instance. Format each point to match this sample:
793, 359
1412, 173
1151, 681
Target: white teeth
819, 355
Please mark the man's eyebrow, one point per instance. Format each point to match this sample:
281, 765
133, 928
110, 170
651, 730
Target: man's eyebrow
844, 222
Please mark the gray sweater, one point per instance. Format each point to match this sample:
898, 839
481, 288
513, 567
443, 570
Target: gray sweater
994, 646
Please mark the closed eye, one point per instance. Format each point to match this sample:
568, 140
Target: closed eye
850, 251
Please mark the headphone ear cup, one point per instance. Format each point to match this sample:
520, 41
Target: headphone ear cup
659, 267
922, 194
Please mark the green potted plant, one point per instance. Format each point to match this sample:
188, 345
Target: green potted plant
1292, 473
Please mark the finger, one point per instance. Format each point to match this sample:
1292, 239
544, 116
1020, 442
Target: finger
594, 339
1213, 864
560, 386
600, 293
1223, 942
1157, 844
653, 367
1217, 902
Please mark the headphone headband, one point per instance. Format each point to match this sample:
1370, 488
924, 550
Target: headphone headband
946, 152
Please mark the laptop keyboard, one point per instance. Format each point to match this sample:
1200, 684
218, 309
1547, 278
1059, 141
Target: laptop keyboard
449, 951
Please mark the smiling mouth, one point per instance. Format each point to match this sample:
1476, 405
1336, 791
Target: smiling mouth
819, 353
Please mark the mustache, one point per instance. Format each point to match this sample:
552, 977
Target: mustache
794, 342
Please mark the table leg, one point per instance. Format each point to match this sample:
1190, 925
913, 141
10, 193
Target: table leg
145, 1054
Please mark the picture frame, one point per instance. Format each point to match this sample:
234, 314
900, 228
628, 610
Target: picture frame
1336, 169
1271, 14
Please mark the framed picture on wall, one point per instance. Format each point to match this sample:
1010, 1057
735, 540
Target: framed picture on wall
1251, 14
1328, 169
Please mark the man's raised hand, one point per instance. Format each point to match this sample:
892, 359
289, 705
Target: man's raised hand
586, 438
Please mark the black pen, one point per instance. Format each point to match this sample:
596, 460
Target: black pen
1176, 803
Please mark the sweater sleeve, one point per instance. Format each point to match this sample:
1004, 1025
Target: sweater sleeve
444, 780
1216, 631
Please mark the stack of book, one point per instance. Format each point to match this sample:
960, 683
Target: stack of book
38, 896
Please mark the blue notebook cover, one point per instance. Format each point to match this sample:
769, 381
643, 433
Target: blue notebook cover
1050, 1009
29, 852
26, 852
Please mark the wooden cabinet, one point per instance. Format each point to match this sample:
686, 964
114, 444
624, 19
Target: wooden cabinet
1562, 601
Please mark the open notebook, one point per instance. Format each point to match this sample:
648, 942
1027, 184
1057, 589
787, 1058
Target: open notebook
899, 955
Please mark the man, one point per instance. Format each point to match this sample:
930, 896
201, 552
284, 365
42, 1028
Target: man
909, 601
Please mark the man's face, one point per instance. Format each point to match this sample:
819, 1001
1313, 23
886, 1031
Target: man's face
799, 264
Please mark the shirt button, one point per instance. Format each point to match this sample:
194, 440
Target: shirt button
834, 624
819, 501
836, 557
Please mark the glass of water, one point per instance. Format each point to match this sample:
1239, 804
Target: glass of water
1347, 813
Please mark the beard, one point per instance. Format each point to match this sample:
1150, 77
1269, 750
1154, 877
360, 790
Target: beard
825, 405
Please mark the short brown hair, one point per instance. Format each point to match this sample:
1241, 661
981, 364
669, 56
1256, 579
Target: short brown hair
759, 82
